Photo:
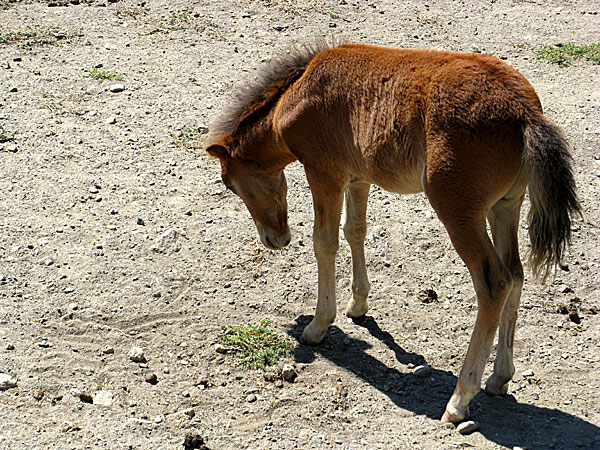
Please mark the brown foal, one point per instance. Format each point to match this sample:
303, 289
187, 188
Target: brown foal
466, 129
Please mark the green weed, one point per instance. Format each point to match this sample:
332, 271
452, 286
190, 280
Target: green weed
256, 346
6, 4
190, 137
34, 35
564, 54
105, 75
188, 20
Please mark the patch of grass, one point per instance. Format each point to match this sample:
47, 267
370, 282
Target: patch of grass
190, 137
188, 20
564, 54
135, 12
34, 35
5, 136
257, 346
105, 75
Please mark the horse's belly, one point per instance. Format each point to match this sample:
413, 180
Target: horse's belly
401, 180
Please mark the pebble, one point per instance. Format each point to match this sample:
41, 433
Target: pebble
166, 240
270, 376
528, 373
251, 398
111, 120
12, 148
151, 378
467, 427
13, 89
422, 371
48, 262
38, 394
288, 373
9, 347
202, 128
136, 354
7, 382
220, 348
118, 87
108, 350
44, 343
103, 398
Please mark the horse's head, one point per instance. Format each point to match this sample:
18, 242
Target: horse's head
263, 192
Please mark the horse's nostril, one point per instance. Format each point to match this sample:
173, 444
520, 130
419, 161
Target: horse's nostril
269, 242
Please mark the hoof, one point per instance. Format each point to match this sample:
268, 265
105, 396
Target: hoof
455, 416
310, 337
494, 388
359, 320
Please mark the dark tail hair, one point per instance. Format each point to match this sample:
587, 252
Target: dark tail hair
551, 192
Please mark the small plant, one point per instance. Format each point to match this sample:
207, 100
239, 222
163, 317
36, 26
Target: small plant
135, 12
564, 54
37, 35
6, 4
5, 136
188, 20
190, 137
105, 75
256, 345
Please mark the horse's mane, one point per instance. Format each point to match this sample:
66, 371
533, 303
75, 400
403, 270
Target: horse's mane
261, 93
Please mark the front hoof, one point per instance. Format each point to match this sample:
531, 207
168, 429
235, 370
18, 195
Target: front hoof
312, 336
356, 313
494, 387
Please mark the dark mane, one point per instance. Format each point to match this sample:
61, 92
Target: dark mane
256, 95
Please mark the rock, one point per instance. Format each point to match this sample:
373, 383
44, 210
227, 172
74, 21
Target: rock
151, 378
220, 348
38, 394
136, 354
111, 120
202, 128
7, 382
250, 398
289, 373
118, 87
44, 343
86, 397
422, 371
108, 350
467, 427
103, 398
279, 27
166, 240
9, 347
528, 373
13, 89
270, 376
12, 148
140, 221
48, 262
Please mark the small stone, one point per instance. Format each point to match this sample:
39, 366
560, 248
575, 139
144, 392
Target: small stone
194, 442
9, 347
422, 371
86, 397
103, 398
467, 427
189, 412
332, 24
250, 398
44, 343
428, 296
38, 394
118, 87
202, 128
288, 373
69, 290
219, 348
7, 382
13, 89
151, 378
185, 394
108, 350
166, 240
279, 27
111, 120
140, 221
270, 376
48, 262
136, 354
527, 373
12, 148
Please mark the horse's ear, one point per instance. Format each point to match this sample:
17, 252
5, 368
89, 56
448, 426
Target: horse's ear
218, 151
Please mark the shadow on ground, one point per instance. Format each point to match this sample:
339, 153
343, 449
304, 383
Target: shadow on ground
503, 420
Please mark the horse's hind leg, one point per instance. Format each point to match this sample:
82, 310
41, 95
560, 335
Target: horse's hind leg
355, 229
504, 222
492, 282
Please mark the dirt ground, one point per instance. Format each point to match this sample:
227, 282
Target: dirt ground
94, 183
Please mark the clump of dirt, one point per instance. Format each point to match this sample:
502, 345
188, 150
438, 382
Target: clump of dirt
571, 309
194, 442
428, 296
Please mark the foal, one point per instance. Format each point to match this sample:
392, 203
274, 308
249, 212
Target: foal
466, 129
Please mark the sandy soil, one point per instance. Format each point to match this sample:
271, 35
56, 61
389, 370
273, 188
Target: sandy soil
93, 179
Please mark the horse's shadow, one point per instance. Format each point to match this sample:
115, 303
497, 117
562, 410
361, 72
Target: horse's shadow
502, 420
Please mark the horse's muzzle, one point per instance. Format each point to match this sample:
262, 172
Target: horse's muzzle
272, 240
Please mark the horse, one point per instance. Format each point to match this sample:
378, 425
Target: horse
466, 129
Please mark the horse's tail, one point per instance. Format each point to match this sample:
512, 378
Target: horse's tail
551, 193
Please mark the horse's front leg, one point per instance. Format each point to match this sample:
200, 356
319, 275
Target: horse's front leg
328, 198
355, 230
